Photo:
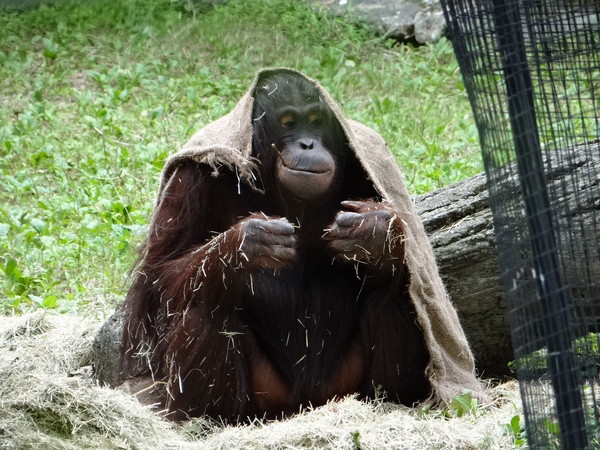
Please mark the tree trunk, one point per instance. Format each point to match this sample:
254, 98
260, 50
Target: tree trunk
459, 223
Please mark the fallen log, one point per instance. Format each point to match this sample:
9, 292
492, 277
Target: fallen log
459, 222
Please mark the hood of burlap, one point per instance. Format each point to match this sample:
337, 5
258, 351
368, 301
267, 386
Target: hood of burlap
227, 144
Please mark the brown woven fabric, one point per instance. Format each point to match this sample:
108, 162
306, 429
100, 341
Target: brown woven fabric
227, 143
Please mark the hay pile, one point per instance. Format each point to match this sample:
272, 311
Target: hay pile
48, 401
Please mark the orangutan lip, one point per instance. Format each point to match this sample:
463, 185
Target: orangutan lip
295, 169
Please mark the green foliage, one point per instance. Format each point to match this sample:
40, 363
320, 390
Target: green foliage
356, 440
516, 429
545, 426
586, 350
50, 422
95, 95
463, 405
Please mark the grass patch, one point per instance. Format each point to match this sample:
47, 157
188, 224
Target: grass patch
95, 95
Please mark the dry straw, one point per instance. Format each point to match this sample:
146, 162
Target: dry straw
48, 400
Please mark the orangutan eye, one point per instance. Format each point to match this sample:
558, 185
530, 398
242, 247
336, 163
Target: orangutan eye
315, 119
287, 121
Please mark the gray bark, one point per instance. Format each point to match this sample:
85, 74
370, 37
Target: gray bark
106, 350
459, 223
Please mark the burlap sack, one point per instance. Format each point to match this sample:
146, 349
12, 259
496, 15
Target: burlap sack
226, 144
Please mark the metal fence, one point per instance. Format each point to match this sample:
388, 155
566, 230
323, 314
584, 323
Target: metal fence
532, 73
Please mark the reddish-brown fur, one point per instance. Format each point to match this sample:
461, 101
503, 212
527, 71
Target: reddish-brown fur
249, 303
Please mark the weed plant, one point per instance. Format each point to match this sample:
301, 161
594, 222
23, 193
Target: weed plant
94, 95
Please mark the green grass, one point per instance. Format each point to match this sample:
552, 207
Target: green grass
95, 95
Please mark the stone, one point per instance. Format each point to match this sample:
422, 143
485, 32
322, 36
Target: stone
420, 21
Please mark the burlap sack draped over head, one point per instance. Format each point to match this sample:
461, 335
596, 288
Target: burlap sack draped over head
227, 142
